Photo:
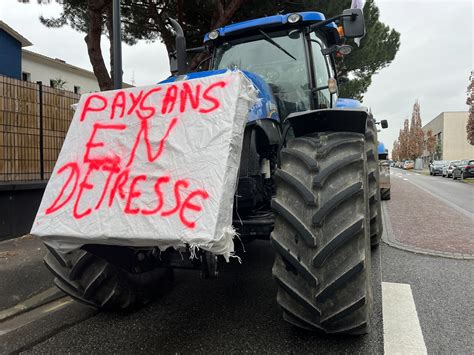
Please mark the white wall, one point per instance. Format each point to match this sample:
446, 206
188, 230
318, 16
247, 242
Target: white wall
456, 145
44, 69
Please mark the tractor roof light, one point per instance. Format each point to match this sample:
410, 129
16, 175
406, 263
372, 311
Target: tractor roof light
294, 18
213, 34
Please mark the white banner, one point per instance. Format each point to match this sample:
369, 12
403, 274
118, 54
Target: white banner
150, 166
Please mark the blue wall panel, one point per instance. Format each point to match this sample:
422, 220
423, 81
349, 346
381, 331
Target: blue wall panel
10, 56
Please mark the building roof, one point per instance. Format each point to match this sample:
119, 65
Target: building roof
62, 64
24, 42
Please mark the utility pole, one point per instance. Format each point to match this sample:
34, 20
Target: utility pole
117, 40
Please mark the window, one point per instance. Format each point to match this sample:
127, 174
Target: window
286, 75
52, 83
77, 89
25, 76
321, 71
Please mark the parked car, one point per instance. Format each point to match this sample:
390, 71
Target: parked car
448, 168
464, 170
436, 167
408, 164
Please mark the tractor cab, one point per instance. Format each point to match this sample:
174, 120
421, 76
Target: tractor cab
293, 53
286, 54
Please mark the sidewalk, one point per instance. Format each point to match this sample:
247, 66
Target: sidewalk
22, 272
423, 222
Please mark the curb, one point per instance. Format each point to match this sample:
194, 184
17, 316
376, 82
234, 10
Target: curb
388, 237
36, 301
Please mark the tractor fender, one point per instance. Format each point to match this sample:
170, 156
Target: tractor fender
258, 135
270, 128
328, 120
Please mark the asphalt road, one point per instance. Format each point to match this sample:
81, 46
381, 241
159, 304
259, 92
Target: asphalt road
234, 314
237, 313
453, 192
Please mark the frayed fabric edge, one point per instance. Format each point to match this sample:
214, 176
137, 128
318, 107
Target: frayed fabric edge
226, 238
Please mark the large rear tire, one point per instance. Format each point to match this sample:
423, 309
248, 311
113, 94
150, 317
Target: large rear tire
98, 283
371, 145
321, 234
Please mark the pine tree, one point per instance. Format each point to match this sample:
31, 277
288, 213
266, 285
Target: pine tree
146, 19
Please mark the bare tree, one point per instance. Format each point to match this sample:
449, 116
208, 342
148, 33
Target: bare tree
396, 151
470, 102
416, 134
430, 144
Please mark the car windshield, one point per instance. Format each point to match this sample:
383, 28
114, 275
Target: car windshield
439, 163
471, 162
455, 162
286, 75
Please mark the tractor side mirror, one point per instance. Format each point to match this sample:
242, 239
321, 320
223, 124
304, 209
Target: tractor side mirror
353, 23
384, 123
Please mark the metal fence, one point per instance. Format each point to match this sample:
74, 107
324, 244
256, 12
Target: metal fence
34, 120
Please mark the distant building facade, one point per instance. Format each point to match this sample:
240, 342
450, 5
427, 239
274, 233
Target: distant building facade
56, 72
449, 128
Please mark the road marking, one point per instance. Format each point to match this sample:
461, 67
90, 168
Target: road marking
59, 305
405, 179
35, 314
402, 332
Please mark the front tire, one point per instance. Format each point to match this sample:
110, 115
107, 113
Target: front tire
321, 235
100, 284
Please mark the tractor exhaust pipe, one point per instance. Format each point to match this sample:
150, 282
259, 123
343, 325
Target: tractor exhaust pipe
180, 47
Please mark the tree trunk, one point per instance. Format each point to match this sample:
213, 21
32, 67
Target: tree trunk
222, 15
92, 39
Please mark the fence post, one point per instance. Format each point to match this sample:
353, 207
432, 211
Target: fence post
41, 138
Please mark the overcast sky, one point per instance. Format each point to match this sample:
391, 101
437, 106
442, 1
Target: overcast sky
432, 65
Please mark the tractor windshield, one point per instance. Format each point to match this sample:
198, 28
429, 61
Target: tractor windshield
286, 74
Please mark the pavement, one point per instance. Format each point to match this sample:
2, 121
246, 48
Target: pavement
424, 218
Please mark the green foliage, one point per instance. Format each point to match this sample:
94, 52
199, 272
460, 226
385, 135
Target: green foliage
58, 83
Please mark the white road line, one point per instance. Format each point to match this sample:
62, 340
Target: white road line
405, 179
401, 327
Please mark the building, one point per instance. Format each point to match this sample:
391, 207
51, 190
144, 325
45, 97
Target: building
11, 43
56, 72
19, 63
450, 131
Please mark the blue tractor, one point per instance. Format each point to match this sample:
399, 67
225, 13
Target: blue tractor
308, 179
